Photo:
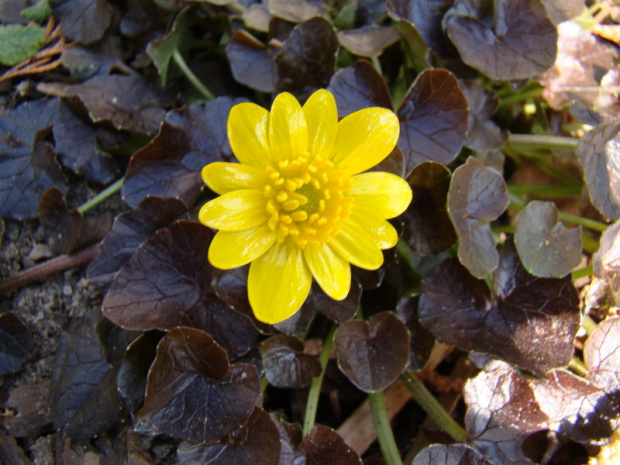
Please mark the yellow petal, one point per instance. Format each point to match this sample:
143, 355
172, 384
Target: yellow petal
288, 132
385, 194
357, 246
322, 119
230, 249
247, 132
383, 233
331, 271
226, 177
235, 211
365, 138
278, 283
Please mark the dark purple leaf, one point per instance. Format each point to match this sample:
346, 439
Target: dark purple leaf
29, 404
130, 229
76, 143
426, 17
372, 354
63, 227
84, 400
428, 229
530, 322
308, 58
251, 62
323, 445
415, 48
84, 64
27, 163
300, 321
189, 139
357, 87
290, 438
453, 454
579, 68
602, 355
483, 134
598, 153
477, 195
15, 343
285, 364
421, 340
133, 370
433, 119
257, 442
10, 452
84, 21
163, 281
545, 246
505, 39
368, 41
339, 311
129, 103
193, 393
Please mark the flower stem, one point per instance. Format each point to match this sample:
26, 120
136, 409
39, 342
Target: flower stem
432, 407
191, 77
581, 272
588, 324
101, 196
380, 418
315, 386
541, 141
578, 367
543, 190
520, 95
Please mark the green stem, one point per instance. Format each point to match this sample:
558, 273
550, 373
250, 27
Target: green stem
191, 77
517, 203
578, 367
315, 386
101, 196
541, 141
432, 407
588, 324
380, 418
545, 190
518, 96
582, 272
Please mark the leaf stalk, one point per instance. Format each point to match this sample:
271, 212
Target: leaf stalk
380, 418
191, 77
432, 407
101, 196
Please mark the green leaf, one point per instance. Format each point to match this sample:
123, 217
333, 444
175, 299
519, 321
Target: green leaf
40, 11
18, 43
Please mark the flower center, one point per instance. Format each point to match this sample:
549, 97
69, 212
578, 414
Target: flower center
306, 200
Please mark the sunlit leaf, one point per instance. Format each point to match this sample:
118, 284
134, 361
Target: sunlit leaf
193, 393
527, 321
599, 154
372, 354
506, 39
433, 119
428, 229
606, 262
477, 195
453, 454
368, 41
602, 354
285, 364
546, 247
18, 42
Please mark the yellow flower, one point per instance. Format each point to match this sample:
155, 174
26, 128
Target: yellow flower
296, 206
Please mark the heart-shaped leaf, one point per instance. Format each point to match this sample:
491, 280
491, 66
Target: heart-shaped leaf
285, 364
192, 392
84, 21
602, 354
530, 322
599, 154
477, 195
372, 354
256, 442
323, 445
546, 247
433, 119
251, 62
505, 39
357, 87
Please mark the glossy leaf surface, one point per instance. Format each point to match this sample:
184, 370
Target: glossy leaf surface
285, 364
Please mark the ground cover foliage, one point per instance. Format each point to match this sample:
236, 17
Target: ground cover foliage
501, 295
